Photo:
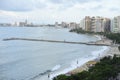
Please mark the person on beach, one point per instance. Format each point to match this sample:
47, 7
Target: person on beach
99, 55
48, 75
77, 62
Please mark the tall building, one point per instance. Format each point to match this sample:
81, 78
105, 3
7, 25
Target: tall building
73, 25
82, 24
64, 25
115, 25
16, 24
56, 24
87, 23
106, 24
98, 24
22, 24
95, 24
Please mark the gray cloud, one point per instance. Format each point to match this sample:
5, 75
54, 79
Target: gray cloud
97, 8
57, 1
20, 5
114, 9
28, 5
70, 1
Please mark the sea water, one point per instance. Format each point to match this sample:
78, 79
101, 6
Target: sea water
30, 60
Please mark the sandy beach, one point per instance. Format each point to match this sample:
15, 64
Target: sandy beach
111, 51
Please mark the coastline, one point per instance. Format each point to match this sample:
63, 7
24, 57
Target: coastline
87, 62
90, 62
84, 64
109, 51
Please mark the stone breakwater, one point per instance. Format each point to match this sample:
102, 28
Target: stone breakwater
97, 43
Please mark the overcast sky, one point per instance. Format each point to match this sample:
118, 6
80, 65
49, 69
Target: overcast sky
49, 11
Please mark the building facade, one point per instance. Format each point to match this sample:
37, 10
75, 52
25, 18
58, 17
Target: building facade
115, 25
87, 23
64, 25
95, 24
74, 25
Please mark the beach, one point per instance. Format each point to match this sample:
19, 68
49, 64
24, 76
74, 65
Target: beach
84, 64
110, 51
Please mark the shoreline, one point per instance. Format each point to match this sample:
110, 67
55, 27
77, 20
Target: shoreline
110, 51
93, 60
90, 62
82, 65
106, 51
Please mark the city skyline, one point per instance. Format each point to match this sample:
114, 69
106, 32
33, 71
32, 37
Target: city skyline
50, 11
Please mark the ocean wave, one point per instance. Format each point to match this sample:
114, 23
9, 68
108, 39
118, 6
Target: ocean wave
101, 52
79, 62
40, 74
56, 68
46, 72
73, 65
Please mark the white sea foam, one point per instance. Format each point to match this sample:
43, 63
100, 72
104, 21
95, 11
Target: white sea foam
81, 61
101, 52
56, 67
73, 66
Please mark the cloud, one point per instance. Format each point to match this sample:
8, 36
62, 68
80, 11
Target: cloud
114, 9
20, 5
13, 5
29, 5
70, 1
66, 4
66, 10
57, 1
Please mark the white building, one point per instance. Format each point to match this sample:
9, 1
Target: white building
82, 24
99, 24
64, 25
56, 24
73, 25
115, 25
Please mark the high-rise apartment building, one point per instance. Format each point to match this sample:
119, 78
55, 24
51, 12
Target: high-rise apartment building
87, 23
115, 25
95, 24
